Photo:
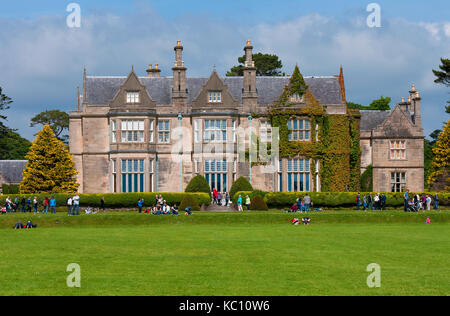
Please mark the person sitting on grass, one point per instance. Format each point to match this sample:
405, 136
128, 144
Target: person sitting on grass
18, 225
3, 211
306, 221
166, 208
188, 210
295, 221
294, 209
175, 210
29, 225
159, 210
147, 211
89, 210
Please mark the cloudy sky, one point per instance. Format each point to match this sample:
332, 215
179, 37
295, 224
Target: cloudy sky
42, 59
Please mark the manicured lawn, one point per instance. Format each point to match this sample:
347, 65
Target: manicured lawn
227, 254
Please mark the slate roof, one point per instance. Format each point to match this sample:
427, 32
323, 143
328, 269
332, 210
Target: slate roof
12, 170
372, 119
101, 90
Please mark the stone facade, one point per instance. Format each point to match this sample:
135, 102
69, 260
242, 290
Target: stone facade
393, 143
124, 135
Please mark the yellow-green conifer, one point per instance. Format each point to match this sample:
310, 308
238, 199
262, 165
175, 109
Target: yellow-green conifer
50, 168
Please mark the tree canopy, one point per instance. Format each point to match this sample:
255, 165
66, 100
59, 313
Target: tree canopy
443, 77
266, 65
381, 104
50, 168
56, 119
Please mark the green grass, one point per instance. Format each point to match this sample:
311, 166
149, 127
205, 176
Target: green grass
227, 254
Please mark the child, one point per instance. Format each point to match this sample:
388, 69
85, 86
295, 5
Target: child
306, 221
3, 210
295, 221
428, 221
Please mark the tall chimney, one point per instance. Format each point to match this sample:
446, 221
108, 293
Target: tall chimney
249, 93
179, 93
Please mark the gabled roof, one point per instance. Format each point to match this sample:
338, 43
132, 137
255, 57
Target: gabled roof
12, 170
101, 90
372, 119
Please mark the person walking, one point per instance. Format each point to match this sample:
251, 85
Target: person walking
405, 200
23, 203
8, 205
247, 202
370, 202
102, 203
76, 204
215, 195
383, 201
377, 202
45, 204
140, 205
239, 203
227, 198
35, 206
53, 205
69, 206
307, 200
365, 202
358, 202
428, 202
436, 201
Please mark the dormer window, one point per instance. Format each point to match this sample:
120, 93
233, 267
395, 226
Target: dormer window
132, 97
215, 96
296, 98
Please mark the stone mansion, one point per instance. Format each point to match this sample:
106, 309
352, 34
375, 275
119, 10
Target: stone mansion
124, 131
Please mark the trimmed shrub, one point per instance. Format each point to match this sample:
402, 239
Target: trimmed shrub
10, 189
117, 200
187, 201
258, 204
240, 184
198, 184
367, 180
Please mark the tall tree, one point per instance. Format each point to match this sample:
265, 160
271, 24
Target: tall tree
428, 154
441, 161
13, 146
58, 121
443, 77
4, 103
266, 65
50, 168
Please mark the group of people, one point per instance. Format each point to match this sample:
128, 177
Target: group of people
301, 205
415, 202
305, 220
29, 204
240, 201
371, 202
28, 225
220, 198
161, 207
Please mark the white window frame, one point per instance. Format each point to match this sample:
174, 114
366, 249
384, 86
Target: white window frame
132, 131
400, 185
113, 131
213, 133
265, 131
215, 97
151, 126
298, 133
133, 97
164, 133
299, 168
397, 149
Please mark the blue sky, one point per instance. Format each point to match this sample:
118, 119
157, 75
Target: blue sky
41, 60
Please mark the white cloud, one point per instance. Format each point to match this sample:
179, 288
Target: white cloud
41, 60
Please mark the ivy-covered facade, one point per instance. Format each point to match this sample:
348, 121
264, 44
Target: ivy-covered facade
125, 131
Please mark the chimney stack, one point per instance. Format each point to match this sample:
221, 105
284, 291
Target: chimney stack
179, 93
249, 93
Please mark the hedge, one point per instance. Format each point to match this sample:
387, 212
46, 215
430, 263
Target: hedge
333, 199
115, 200
10, 188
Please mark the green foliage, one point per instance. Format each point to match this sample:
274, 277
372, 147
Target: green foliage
367, 179
50, 168
191, 201
10, 188
443, 75
12, 145
266, 65
198, 184
4, 103
117, 200
257, 204
240, 184
58, 121
381, 104
337, 199
441, 159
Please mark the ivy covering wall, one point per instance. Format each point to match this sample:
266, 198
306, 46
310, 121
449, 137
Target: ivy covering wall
337, 146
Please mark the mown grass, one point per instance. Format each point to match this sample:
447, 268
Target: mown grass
227, 254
